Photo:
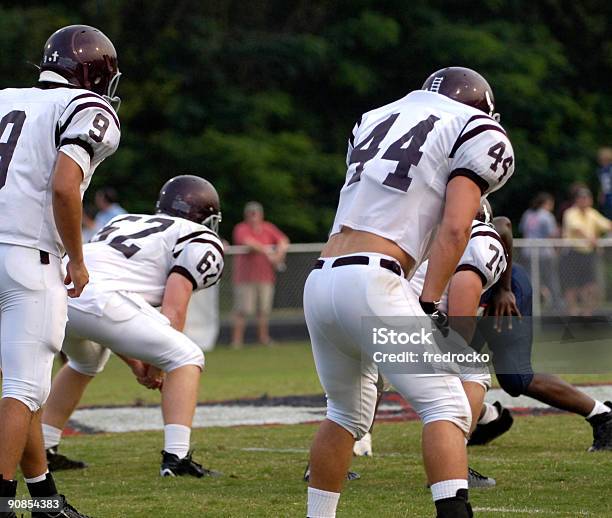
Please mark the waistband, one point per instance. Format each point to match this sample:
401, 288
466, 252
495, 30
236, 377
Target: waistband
385, 262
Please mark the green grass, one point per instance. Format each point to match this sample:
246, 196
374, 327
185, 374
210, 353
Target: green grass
541, 466
249, 372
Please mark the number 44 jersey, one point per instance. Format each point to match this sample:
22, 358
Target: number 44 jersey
36, 124
135, 254
402, 156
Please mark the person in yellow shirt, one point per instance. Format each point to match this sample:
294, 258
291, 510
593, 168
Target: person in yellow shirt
582, 221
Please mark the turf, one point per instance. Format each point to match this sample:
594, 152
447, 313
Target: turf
541, 467
254, 371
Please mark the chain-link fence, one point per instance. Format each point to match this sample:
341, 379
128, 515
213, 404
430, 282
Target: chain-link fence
569, 277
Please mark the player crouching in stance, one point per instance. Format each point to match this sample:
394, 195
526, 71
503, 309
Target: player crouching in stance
137, 262
53, 138
416, 165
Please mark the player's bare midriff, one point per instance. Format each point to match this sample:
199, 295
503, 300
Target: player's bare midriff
350, 241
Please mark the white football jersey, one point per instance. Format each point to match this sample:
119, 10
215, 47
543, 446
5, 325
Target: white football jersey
401, 157
485, 254
135, 253
35, 124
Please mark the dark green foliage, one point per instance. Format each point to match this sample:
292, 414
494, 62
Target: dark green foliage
260, 96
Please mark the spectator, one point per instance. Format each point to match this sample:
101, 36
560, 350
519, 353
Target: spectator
254, 272
582, 221
538, 222
88, 223
604, 173
569, 202
108, 207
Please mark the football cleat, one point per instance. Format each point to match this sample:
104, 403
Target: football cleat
485, 433
58, 462
65, 511
363, 447
351, 475
172, 466
479, 481
602, 430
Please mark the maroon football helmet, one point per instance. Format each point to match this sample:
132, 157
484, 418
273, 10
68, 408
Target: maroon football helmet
81, 56
465, 86
190, 197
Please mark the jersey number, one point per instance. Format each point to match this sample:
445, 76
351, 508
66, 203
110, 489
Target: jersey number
496, 257
100, 125
118, 242
206, 263
8, 142
406, 157
496, 151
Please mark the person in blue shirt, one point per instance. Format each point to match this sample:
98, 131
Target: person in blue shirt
108, 207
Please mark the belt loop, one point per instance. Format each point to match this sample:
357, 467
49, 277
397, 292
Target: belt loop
44, 257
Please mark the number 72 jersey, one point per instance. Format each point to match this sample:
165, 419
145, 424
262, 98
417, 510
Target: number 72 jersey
135, 253
402, 156
35, 125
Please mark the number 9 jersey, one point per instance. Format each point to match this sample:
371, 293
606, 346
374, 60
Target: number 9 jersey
402, 156
135, 254
36, 124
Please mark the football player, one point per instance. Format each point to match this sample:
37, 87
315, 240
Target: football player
417, 165
52, 138
480, 267
138, 262
511, 348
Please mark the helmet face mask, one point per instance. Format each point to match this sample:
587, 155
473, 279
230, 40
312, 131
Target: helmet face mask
190, 197
463, 85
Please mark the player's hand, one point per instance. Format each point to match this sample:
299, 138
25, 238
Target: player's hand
503, 304
138, 368
78, 276
154, 378
439, 317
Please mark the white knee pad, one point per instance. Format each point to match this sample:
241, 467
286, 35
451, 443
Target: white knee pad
187, 353
86, 357
484, 380
455, 410
32, 395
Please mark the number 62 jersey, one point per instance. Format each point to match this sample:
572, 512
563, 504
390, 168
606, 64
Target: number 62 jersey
35, 125
402, 156
135, 254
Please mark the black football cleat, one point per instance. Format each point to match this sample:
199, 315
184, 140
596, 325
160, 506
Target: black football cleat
58, 462
602, 430
351, 475
172, 466
485, 433
65, 510
479, 481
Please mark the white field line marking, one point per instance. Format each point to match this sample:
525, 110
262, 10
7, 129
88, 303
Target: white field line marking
132, 419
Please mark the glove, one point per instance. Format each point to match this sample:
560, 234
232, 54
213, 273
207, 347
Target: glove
439, 317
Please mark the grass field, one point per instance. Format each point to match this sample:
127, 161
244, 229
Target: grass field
541, 466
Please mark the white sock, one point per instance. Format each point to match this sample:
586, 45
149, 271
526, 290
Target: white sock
39, 478
490, 414
599, 408
176, 439
322, 504
447, 488
51, 435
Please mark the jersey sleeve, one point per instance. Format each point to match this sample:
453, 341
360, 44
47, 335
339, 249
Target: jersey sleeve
200, 261
483, 153
351, 142
88, 131
485, 255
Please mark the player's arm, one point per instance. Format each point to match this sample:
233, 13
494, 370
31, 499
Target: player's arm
462, 203
463, 300
176, 300
503, 302
67, 211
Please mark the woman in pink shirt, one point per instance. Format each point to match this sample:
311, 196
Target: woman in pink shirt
254, 272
